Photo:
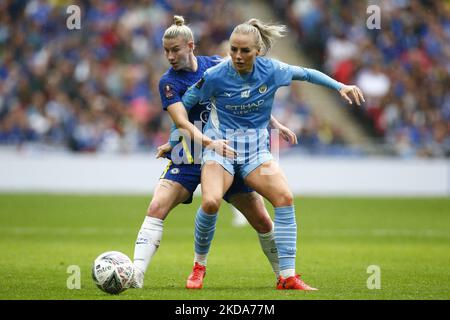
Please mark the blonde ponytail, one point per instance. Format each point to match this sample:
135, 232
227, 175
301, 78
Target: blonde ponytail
265, 34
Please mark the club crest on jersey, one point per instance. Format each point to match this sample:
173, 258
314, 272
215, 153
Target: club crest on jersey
262, 89
245, 94
175, 171
168, 92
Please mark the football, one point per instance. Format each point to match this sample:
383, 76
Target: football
113, 272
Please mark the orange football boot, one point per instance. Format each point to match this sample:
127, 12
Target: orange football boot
195, 280
293, 283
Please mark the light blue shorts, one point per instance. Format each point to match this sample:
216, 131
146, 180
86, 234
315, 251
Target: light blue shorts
243, 165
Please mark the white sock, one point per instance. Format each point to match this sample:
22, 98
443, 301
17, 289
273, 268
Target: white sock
148, 240
287, 273
200, 258
268, 246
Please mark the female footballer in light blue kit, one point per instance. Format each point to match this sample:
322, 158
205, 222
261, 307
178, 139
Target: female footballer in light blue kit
179, 180
242, 90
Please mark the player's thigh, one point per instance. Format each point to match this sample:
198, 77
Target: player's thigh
270, 182
251, 204
215, 181
167, 195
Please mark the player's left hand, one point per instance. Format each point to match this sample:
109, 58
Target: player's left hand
288, 134
354, 92
162, 150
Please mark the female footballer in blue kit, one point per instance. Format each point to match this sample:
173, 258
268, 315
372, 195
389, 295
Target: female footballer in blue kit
182, 174
241, 91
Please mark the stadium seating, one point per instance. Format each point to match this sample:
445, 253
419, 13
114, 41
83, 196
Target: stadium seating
403, 67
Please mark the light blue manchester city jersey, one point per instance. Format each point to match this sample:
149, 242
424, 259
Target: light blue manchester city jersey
240, 101
241, 105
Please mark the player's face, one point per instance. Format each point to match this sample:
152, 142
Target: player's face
243, 52
177, 51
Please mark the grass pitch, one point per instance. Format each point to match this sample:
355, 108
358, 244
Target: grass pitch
338, 239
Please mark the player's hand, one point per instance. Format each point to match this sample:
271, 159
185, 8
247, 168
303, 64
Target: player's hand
222, 148
162, 150
353, 92
287, 134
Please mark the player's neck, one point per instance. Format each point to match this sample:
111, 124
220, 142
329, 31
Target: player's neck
193, 64
245, 74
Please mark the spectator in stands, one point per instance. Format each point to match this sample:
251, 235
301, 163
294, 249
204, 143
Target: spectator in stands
94, 89
403, 67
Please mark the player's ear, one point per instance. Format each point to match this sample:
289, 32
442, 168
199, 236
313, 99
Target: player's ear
191, 45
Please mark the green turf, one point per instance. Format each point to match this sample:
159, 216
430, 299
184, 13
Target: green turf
409, 239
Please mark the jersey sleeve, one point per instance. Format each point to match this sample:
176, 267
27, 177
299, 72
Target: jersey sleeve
169, 92
282, 73
315, 76
199, 92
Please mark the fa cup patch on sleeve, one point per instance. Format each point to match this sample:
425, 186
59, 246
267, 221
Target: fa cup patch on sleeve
168, 92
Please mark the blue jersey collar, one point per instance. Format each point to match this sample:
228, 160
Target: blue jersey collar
232, 71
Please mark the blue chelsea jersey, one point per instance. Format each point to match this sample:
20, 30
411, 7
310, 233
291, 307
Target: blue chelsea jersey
240, 102
173, 84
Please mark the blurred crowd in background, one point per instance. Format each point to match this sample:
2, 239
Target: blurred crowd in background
403, 67
93, 89
96, 89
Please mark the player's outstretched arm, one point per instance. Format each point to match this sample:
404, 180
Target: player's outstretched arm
348, 92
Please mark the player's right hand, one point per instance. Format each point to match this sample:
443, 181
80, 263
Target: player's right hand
354, 92
221, 147
162, 150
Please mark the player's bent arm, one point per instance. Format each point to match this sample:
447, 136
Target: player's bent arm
173, 136
163, 149
285, 132
202, 90
180, 117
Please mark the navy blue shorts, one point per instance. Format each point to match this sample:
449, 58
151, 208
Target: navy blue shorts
188, 175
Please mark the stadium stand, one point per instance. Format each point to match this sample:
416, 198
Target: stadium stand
95, 89
403, 67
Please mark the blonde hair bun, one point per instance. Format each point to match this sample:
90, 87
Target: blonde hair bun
178, 21
178, 28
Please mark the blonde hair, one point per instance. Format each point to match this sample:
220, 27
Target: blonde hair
178, 28
265, 34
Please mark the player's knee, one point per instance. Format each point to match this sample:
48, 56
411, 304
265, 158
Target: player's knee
156, 210
285, 199
264, 225
210, 204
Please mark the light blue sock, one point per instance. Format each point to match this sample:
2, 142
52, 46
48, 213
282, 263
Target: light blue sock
205, 225
285, 231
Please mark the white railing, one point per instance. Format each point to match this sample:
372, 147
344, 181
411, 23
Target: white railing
68, 173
